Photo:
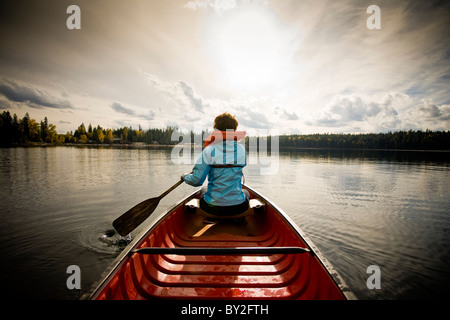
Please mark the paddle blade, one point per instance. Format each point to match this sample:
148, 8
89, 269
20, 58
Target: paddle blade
131, 219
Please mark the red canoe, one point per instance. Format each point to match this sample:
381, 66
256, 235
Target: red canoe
187, 254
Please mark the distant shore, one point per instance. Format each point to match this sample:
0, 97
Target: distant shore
27, 132
141, 145
136, 145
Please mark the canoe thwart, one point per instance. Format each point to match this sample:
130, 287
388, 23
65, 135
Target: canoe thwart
189, 251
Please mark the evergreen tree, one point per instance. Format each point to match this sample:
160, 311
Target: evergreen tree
44, 126
6, 129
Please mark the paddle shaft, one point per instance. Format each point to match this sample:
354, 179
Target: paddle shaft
170, 189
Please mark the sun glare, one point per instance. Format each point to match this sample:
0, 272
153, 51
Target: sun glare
249, 50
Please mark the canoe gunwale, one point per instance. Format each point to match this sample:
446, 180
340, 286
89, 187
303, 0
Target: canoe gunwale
131, 249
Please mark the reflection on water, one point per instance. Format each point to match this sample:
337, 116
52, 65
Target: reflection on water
360, 208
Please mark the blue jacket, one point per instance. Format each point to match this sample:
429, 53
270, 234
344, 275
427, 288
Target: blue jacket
224, 183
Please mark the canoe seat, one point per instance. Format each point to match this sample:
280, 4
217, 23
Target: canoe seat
255, 205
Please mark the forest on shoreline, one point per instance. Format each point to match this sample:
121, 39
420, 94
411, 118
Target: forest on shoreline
25, 131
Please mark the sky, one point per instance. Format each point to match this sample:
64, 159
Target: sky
279, 66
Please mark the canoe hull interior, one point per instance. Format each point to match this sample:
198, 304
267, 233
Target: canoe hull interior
240, 276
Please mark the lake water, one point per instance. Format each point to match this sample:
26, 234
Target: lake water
361, 208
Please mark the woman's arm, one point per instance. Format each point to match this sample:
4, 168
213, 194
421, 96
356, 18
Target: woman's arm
199, 172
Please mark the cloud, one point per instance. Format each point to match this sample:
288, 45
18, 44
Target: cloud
5, 103
251, 112
196, 101
428, 116
118, 107
284, 114
392, 112
14, 92
161, 86
121, 109
181, 96
431, 111
178, 93
344, 109
253, 119
356, 113
149, 116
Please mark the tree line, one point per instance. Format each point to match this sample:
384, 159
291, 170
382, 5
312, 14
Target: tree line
15, 131
24, 130
414, 140
124, 135
18, 131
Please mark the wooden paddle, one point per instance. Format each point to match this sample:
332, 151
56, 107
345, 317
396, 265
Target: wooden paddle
131, 219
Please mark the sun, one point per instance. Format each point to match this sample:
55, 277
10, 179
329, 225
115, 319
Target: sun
249, 49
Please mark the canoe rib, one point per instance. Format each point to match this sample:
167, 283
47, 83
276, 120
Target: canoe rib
259, 258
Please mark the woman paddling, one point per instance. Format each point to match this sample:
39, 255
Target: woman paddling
221, 161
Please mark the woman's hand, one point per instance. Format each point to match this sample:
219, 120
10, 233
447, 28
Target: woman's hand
182, 176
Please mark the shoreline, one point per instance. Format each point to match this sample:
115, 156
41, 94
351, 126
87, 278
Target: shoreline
140, 145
